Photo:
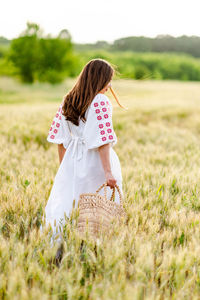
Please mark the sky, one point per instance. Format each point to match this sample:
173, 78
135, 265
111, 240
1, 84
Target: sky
90, 21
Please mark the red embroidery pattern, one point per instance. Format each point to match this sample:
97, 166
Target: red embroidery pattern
55, 124
105, 127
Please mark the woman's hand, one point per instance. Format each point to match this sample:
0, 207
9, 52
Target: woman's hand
111, 181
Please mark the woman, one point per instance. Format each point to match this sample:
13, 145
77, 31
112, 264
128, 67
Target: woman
83, 130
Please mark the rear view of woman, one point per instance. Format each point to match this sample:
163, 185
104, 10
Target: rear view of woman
83, 129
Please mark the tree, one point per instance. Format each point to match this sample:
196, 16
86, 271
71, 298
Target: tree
23, 54
55, 58
65, 35
42, 58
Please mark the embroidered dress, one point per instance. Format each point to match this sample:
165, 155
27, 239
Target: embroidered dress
81, 169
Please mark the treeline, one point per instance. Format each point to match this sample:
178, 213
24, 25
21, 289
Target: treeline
34, 56
150, 65
162, 43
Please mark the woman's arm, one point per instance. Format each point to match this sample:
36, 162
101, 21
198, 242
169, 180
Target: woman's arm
104, 152
61, 152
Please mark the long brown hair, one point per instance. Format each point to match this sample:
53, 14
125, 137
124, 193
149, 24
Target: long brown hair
96, 74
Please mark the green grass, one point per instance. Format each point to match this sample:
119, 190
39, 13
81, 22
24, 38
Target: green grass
156, 255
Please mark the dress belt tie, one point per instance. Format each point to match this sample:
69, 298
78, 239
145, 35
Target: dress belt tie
78, 145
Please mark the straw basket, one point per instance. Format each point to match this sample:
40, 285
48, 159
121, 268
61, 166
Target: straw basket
96, 212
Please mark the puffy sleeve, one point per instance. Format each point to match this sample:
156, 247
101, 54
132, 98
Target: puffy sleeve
59, 131
99, 130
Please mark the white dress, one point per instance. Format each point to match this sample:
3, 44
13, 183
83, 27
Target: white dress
81, 169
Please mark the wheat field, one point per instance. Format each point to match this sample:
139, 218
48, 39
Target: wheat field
156, 255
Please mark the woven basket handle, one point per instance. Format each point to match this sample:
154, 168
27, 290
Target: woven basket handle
104, 185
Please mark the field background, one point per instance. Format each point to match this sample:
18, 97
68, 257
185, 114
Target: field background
156, 256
